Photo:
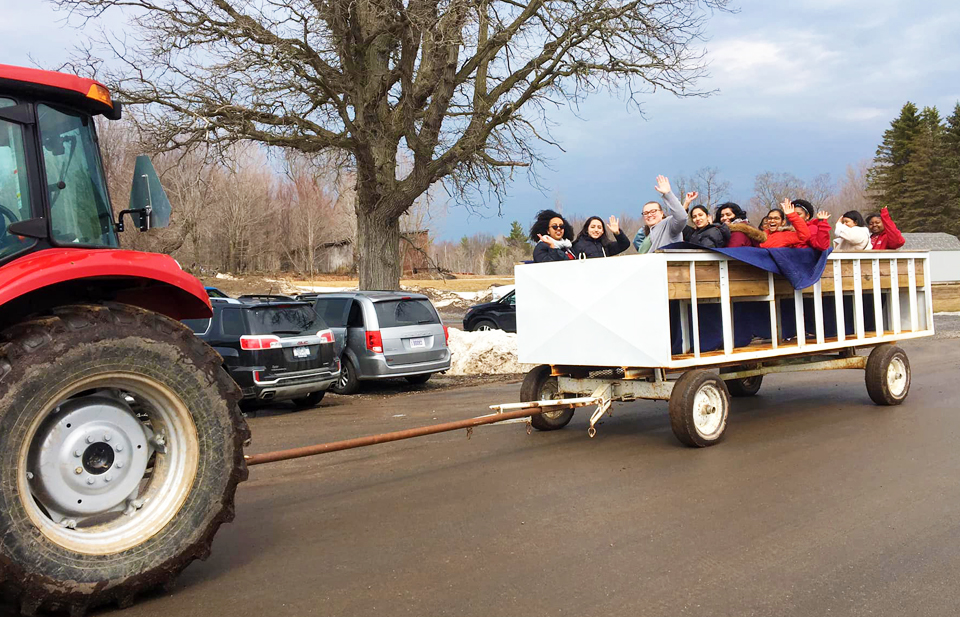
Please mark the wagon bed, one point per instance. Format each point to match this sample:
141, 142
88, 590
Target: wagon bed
693, 327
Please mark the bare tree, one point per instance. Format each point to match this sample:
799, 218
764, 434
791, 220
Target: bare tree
463, 85
711, 187
851, 193
707, 182
771, 188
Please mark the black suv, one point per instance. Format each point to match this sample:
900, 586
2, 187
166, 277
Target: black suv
499, 315
273, 349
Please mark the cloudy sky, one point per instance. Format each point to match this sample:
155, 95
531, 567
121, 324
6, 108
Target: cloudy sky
805, 87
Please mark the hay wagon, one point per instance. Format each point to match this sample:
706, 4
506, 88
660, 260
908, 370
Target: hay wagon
694, 328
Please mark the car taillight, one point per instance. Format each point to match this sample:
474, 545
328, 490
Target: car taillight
326, 336
446, 335
254, 342
375, 341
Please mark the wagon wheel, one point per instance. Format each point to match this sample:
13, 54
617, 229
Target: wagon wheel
744, 386
888, 375
538, 385
699, 407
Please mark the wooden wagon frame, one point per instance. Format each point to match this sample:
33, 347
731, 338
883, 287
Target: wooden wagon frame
628, 328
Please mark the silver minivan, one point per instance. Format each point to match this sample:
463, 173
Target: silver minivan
384, 334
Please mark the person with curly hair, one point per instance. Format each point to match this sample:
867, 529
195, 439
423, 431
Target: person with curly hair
742, 233
553, 235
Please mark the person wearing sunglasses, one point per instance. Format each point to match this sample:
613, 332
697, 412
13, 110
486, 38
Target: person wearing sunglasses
554, 237
662, 227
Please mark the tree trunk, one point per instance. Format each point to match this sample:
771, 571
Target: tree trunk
378, 250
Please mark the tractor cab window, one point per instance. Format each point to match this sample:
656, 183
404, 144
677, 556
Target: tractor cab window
14, 191
80, 211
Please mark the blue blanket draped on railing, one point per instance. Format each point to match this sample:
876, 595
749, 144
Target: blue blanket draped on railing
802, 267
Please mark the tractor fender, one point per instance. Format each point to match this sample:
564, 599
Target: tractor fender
57, 276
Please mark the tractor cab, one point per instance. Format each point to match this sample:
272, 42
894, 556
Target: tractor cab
53, 190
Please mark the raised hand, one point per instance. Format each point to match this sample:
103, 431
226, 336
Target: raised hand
550, 241
823, 215
691, 196
787, 206
613, 225
663, 185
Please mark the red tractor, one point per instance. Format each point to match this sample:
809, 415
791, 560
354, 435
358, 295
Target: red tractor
121, 444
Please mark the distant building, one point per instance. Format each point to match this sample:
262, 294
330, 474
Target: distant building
939, 241
944, 254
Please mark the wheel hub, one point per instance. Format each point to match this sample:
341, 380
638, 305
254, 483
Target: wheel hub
897, 377
89, 458
707, 405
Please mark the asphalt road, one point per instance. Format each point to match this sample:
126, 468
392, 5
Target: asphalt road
816, 503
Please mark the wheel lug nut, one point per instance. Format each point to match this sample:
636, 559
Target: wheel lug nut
90, 480
78, 453
119, 465
89, 438
107, 436
29, 476
108, 478
119, 447
78, 470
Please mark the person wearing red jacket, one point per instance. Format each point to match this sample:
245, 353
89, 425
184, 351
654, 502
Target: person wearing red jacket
884, 235
819, 227
782, 235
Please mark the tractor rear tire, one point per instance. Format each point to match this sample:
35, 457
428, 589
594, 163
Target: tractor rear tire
538, 385
127, 397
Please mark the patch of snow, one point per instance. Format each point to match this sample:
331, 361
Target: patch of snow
484, 353
226, 277
499, 291
314, 289
952, 313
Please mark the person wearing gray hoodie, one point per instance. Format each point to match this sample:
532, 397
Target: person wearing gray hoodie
662, 227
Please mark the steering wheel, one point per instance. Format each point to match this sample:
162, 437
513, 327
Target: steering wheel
7, 239
9, 215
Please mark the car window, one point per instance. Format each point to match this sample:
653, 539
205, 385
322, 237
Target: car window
405, 312
79, 208
285, 319
334, 311
511, 299
231, 322
14, 190
199, 326
356, 315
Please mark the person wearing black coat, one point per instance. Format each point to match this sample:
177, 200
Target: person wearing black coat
592, 240
553, 235
706, 234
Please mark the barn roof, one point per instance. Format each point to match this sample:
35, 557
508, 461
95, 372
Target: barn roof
939, 241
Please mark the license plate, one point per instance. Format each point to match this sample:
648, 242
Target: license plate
301, 352
417, 342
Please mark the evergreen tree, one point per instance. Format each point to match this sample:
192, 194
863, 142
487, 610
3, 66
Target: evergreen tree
518, 237
923, 197
951, 164
885, 178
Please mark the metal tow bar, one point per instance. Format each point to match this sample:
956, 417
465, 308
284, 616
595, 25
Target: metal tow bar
520, 410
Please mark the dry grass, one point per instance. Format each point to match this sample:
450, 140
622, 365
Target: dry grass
462, 283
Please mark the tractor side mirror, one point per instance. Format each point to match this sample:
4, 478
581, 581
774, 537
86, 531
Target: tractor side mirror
149, 206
